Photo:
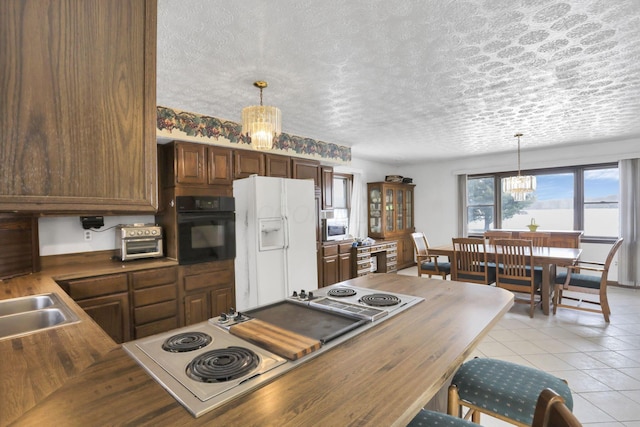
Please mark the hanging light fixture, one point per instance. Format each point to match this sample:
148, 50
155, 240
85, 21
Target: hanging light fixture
261, 123
519, 186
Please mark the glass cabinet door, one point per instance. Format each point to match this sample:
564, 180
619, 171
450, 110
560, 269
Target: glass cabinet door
409, 207
399, 210
375, 210
388, 205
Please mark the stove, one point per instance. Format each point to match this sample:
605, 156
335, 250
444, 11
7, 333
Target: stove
363, 303
199, 364
204, 365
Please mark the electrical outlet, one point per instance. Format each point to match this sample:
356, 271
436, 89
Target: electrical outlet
87, 235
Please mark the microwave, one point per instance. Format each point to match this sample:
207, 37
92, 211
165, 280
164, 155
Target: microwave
335, 229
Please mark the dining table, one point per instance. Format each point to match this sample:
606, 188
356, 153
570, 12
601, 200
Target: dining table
546, 257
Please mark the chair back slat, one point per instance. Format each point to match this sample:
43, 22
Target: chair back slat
492, 235
539, 239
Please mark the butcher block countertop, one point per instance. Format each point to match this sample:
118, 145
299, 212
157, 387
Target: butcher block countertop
76, 376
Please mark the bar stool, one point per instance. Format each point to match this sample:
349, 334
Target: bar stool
504, 390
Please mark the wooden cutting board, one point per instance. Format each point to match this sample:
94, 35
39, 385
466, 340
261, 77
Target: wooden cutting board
282, 342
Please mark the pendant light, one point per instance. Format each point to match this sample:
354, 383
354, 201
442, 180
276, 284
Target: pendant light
261, 123
519, 186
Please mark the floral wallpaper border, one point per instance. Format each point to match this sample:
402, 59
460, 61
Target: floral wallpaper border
197, 127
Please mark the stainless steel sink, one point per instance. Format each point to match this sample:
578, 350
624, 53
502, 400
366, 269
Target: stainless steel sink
26, 315
20, 305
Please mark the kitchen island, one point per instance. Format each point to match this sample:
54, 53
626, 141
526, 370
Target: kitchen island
380, 377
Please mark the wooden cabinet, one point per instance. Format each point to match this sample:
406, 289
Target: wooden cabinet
78, 106
106, 300
381, 257
129, 305
336, 263
20, 252
247, 163
391, 216
326, 175
306, 169
155, 307
277, 166
195, 165
206, 290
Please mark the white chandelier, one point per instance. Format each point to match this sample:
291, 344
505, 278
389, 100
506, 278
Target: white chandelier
519, 186
261, 123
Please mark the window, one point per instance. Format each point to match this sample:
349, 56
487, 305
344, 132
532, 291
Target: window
341, 195
571, 198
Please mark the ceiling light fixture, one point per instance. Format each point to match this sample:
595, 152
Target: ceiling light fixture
519, 186
261, 123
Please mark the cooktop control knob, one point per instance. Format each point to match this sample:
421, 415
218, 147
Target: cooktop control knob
310, 296
303, 294
232, 311
238, 317
295, 294
223, 317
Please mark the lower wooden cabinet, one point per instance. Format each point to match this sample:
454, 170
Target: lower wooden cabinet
111, 313
206, 290
336, 263
129, 305
405, 252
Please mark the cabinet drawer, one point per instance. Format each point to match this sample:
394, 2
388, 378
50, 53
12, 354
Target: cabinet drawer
345, 248
161, 276
153, 295
207, 280
96, 286
156, 327
154, 312
330, 250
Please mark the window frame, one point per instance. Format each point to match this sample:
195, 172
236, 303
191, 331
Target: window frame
578, 198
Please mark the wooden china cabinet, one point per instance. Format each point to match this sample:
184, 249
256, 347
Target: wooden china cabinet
391, 217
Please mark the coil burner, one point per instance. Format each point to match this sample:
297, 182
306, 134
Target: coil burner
380, 300
223, 364
187, 341
341, 292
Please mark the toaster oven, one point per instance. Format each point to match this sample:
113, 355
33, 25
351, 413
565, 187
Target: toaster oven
137, 241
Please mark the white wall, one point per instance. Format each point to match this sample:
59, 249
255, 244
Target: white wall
65, 235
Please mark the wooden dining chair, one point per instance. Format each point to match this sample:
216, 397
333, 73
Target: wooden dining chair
504, 390
491, 235
550, 411
470, 261
593, 282
539, 239
516, 271
428, 264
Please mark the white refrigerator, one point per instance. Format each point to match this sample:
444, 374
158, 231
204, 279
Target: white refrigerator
275, 239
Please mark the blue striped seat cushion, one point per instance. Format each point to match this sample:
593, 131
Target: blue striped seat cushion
506, 388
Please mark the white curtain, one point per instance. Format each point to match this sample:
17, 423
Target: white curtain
629, 256
358, 212
462, 205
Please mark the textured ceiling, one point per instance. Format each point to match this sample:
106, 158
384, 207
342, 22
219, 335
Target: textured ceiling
410, 80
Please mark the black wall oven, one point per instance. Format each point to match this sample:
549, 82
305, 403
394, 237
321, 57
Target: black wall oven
206, 229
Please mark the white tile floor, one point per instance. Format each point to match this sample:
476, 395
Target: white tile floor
600, 361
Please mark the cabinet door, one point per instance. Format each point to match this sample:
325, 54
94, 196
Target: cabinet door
111, 313
327, 187
306, 169
375, 211
196, 308
278, 166
247, 163
219, 166
78, 111
344, 267
190, 163
330, 272
222, 300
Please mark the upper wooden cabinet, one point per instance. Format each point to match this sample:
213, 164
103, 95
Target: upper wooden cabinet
391, 209
247, 163
78, 106
278, 166
193, 165
306, 169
